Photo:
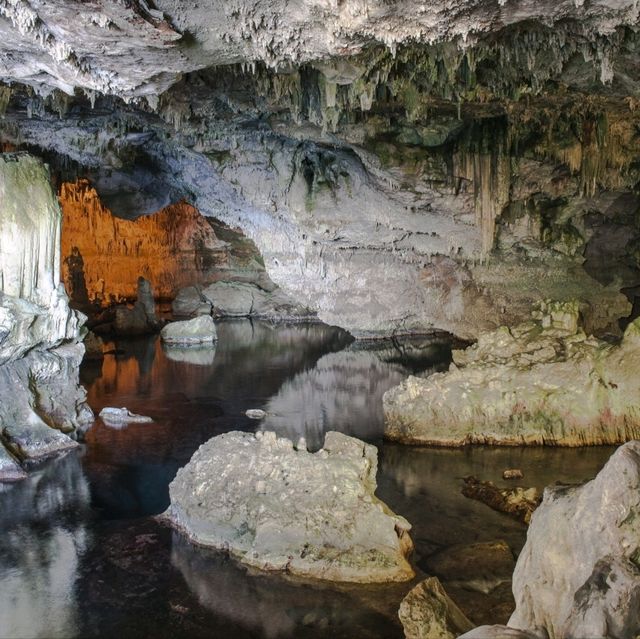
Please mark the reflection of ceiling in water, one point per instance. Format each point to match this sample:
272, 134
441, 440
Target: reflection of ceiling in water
343, 392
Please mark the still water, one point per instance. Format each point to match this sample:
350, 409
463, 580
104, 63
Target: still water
82, 556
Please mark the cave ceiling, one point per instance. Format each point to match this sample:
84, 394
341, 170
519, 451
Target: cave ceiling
396, 163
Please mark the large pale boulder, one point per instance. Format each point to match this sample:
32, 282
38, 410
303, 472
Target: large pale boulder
496, 632
199, 330
541, 382
278, 508
578, 574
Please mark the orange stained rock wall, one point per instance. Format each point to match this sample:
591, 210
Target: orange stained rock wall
103, 255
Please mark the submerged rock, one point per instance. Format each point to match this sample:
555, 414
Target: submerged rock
542, 382
578, 574
517, 502
427, 612
117, 417
198, 330
277, 508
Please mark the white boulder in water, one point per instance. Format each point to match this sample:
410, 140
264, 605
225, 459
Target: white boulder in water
116, 417
578, 575
255, 413
278, 508
198, 330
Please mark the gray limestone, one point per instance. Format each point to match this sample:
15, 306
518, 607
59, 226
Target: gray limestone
278, 508
41, 401
541, 382
243, 299
578, 574
189, 302
199, 330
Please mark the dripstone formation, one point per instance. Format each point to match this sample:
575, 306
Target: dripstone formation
401, 167
42, 403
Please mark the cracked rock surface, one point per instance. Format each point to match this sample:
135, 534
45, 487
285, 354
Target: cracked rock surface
542, 382
277, 508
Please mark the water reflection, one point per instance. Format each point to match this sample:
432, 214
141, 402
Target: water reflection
274, 607
44, 535
344, 390
197, 355
191, 396
80, 556
425, 486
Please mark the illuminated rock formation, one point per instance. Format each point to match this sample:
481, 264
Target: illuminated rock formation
40, 349
401, 167
542, 382
103, 255
577, 575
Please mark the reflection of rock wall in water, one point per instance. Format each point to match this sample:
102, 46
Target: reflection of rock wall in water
103, 255
343, 389
38, 569
39, 354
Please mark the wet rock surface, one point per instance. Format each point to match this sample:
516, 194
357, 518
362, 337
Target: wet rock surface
119, 417
427, 612
277, 508
517, 502
542, 382
198, 330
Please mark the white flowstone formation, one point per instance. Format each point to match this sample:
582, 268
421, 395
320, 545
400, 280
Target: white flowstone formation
34, 309
199, 330
578, 574
278, 508
541, 382
40, 351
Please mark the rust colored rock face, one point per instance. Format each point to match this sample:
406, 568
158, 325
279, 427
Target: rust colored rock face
103, 256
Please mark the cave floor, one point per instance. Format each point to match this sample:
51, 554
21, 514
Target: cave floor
83, 556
